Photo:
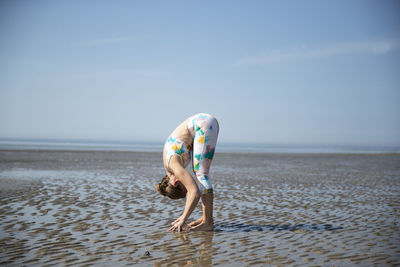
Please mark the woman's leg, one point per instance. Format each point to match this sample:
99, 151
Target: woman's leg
206, 134
206, 131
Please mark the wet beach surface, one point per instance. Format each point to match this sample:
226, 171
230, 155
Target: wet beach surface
101, 208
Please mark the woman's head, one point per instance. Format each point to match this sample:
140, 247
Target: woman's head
165, 188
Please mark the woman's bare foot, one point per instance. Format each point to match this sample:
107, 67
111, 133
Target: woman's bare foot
196, 222
203, 227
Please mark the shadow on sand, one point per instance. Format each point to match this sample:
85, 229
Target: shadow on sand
243, 227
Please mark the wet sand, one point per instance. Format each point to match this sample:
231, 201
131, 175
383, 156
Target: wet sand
101, 208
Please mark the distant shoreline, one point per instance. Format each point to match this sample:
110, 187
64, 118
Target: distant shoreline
115, 146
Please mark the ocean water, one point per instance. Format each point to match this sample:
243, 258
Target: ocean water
100, 208
83, 145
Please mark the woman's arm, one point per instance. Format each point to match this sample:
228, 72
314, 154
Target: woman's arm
192, 196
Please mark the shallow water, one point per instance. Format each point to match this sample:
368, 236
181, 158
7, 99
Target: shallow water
101, 208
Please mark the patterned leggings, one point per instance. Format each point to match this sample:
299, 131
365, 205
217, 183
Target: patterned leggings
204, 129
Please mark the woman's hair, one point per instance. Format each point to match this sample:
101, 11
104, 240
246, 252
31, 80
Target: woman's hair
166, 189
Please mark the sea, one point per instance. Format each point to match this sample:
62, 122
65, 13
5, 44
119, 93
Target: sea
156, 146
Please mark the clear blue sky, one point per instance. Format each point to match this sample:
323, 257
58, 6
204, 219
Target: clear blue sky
292, 72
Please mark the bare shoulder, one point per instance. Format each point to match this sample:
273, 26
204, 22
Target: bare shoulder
175, 163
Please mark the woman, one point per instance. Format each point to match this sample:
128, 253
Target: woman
194, 138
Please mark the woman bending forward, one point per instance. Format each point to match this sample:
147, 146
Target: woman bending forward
195, 139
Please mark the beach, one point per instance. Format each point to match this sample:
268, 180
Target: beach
101, 208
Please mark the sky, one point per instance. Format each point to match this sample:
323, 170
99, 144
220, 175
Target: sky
273, 72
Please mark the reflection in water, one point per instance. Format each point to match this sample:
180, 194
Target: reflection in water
196, 248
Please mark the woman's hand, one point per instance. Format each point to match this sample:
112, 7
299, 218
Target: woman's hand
177, 224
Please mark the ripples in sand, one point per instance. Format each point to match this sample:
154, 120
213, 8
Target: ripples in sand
100, 208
